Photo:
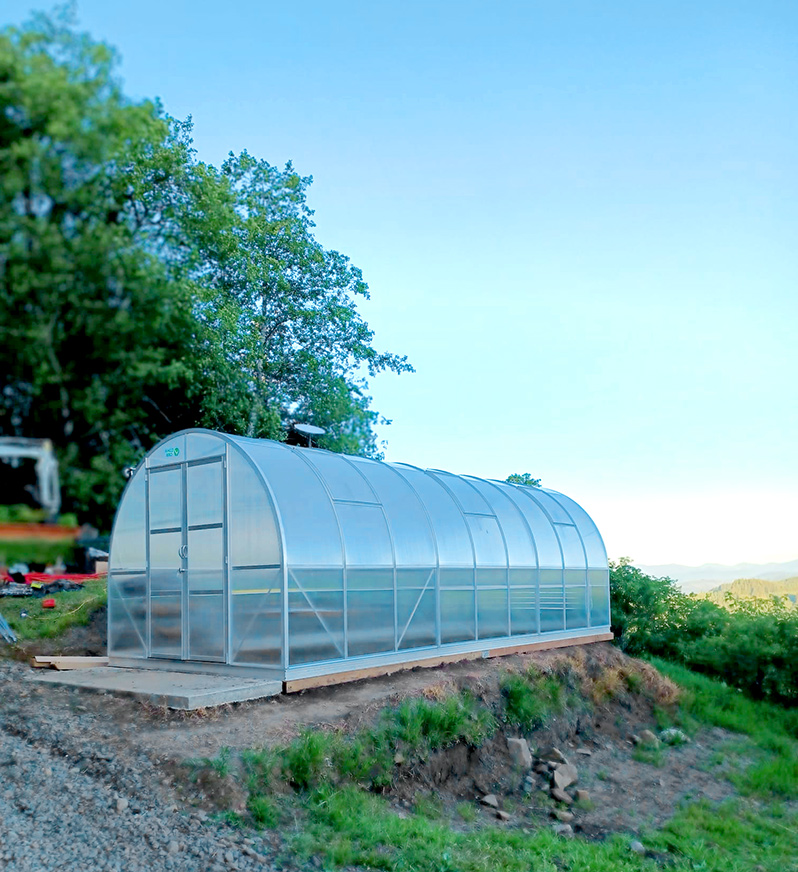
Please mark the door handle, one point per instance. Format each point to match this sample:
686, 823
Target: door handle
183, 551
181, 569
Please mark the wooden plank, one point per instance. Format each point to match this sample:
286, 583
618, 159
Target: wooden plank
297, 684
68, 662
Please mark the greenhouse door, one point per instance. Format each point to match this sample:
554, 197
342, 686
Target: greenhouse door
187, 603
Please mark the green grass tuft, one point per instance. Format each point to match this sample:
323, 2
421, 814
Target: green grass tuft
531, 699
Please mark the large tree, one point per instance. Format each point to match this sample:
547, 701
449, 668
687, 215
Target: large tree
142, 291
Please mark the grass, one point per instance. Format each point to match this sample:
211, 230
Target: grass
73, 608
531, 699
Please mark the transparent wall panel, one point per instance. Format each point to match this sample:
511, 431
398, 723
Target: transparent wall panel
201, 445
166, 498
416, 578
165, 562
172, 451
492, 617
469, 499
205, 559
488, 542
523, 577
129, 544
599, 606
457, 577
204, 493
575, 607
552, 602
256, 625
316, 579
127, 616
254, 538
309, 524
546, 541
523, 611
206, 626
491, 577
166, 626
573, 552
520, 546
574, 577
315, 626
405, 512
370, 628
416, 617
594, 546
256, 616
553, 509
366, 537
451, 532
341, 478
457, 616
369, 579
598, 577
550, 619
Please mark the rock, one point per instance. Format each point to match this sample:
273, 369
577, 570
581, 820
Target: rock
173, 847
564, 776
560, 796
673, 736
564, 816
502, 815
564, 830
542, 768
648, 738
399, 758
582, 796
490, 800
520, 753
552, 755
637, 847
121, 804
635, 739
585, 752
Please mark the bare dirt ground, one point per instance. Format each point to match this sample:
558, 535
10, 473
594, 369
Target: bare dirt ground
137, 750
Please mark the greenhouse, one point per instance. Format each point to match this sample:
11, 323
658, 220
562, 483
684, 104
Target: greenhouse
247, 554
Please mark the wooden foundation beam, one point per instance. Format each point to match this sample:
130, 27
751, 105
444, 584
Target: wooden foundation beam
297, 684
68, 662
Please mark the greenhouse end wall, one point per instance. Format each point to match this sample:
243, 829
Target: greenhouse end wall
229, 552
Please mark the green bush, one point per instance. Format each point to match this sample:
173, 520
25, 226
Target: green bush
531, 699
750, 644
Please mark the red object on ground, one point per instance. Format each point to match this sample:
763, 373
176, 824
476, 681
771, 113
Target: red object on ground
48, 603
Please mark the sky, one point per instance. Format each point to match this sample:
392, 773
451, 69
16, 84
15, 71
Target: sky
578, 220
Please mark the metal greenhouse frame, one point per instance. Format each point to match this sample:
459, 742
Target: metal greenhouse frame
300, 565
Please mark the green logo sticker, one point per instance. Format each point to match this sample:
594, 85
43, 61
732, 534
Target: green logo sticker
172, 452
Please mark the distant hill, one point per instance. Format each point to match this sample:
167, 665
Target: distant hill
754, 588
697, 579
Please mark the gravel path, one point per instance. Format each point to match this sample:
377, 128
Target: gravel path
74, 799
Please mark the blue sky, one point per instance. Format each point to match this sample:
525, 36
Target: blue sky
577, 219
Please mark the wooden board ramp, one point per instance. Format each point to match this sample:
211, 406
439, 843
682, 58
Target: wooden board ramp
64, 662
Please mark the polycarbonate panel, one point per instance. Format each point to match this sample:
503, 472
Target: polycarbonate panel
520, 546
575, 607
416, 618
546, 541
366, 538
129, 543
594, 546
553, 509
127, 626
171, 451
257, 580
404, 511
204, 493
256, 624
451, 532
200, 445
205, 559
165, 562
491, 577
551, 619
573, 553
415, 577
315, 626
369, 579
492, 614
315, 579
166, 626
309, 524
206, 627
254, 538
467, 497
457, 616
457, 578
598, 577
523, 611
341, 478
488, 543
166, 498
369, 618
523, 577
599, 606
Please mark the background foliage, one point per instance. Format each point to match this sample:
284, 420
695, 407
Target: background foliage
143, 291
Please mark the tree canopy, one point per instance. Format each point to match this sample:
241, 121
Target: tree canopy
143, 291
